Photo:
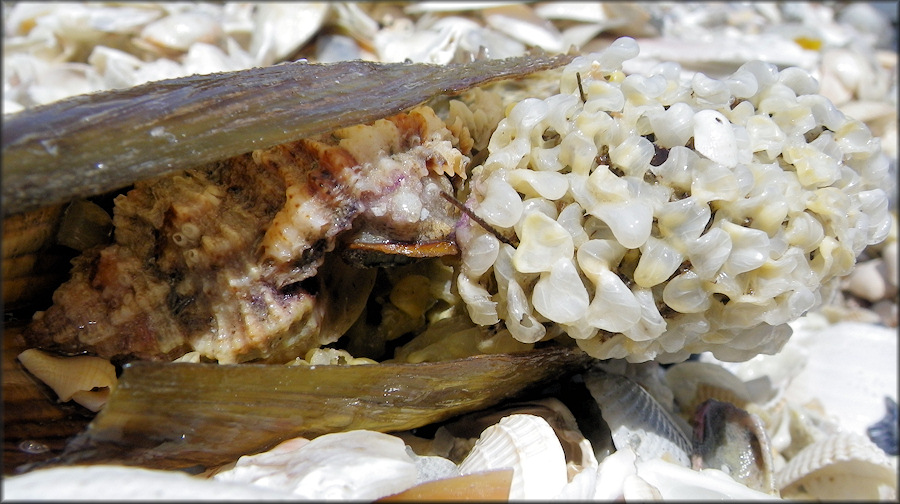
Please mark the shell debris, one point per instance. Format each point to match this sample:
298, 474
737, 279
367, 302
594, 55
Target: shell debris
528, 445
840, 467
84, 379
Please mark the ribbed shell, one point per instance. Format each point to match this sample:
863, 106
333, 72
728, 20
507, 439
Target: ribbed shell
840, 467
637, 420
528, 445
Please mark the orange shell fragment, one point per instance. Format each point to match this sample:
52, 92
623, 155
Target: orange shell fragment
483, 486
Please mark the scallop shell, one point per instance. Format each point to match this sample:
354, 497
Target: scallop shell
843, 466
528, 445
578, 450
793, 427
636, 420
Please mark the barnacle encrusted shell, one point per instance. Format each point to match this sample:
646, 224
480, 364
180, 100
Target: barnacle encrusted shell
232, 260
656, 217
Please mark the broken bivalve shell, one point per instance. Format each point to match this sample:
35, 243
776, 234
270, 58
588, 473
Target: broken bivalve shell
85, 379
528, 445
359, 464
621, 476
458, 437
694, 382
636, 420
841, 467
734, 441
680, 483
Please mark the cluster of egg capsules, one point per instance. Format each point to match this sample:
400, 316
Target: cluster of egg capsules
654, 216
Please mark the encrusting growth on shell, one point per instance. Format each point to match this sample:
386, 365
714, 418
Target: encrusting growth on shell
659, 218
230, 259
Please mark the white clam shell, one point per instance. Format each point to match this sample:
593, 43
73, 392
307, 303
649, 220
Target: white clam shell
357, 464
349, 16
91, 483
841, 467
432, 467
674, 482
850, 377
117, 67
528, 445
182, 30
612, 473
521, 23
621, 476
726, 55
447, 6
334, 48
573, 11
282, 28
